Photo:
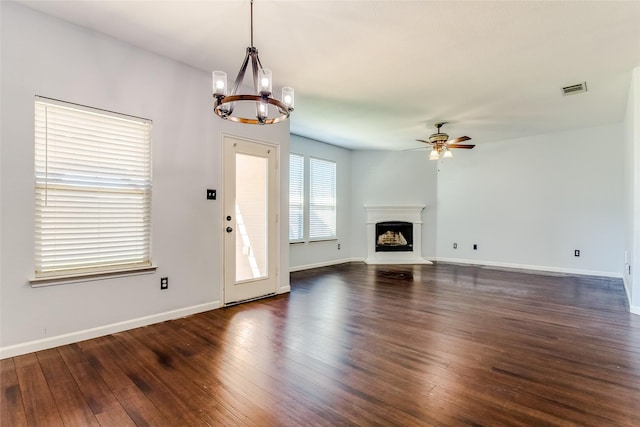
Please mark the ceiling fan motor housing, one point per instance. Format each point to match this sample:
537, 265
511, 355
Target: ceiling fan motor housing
439, 138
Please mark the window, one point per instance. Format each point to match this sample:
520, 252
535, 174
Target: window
92, 190
322, 199
296, 197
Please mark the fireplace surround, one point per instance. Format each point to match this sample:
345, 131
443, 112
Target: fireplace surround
394, 234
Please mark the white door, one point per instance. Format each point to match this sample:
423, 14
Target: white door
250, 220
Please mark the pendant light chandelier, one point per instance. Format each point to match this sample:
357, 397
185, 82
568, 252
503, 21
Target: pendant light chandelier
224, 101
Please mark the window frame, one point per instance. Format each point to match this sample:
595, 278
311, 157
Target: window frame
334, 205
303, 197
307, 210
79, 182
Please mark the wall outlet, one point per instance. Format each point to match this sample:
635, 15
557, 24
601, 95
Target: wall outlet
455, 246
338, 246
164, 283
211, 194
576, 252
475, 246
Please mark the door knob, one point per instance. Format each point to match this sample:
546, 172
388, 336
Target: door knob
229, 229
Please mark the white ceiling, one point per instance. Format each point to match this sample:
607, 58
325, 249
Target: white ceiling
379, 74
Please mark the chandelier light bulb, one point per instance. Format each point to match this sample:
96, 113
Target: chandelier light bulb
262, 110
288, 96
434, 155
219, 83
264, 76
447, 154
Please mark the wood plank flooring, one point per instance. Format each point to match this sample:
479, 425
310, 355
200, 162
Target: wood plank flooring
442, 345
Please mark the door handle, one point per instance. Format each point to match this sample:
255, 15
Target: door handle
229, 229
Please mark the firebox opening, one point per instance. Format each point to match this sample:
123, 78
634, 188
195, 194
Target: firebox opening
394, 236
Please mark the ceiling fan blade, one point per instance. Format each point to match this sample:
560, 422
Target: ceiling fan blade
426, 142
468, 146
461, 139
413, 149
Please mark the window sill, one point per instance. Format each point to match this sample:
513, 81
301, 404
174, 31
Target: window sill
38, 282
328, 239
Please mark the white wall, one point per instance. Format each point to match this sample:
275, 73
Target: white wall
314, 254
392, 178
531, 202
632, 193
45, 56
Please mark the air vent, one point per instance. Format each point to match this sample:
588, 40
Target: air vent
573, 89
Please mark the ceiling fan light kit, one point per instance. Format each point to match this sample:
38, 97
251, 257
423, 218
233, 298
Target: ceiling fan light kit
224, 101
442, 144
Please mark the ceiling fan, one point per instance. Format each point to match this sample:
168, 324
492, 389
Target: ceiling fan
441, 143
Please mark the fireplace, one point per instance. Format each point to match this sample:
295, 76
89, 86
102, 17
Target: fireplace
394, 235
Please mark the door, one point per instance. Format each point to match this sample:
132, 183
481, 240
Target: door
250, 220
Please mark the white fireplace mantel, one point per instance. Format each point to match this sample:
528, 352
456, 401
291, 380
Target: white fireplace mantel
407, 213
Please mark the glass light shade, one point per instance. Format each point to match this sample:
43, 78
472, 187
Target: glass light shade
263, 110
447, 154
434, 155
264, 81
288, 97
219, 83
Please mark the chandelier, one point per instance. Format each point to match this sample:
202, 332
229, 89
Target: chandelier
224, 101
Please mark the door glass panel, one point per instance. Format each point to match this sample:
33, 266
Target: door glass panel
251, 217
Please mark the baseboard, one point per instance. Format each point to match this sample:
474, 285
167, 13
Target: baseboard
284, 290
37, 345
532, 267
323, 264
634, 309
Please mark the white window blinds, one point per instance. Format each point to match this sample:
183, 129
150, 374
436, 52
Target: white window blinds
322, 199
296, 197
92, 190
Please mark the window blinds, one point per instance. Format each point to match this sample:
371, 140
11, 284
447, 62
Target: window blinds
322, 199
92, 190
296, 197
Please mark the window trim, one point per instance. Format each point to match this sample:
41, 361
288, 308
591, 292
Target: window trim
335, 206
37, 282
304, 199
78, 273
307, 201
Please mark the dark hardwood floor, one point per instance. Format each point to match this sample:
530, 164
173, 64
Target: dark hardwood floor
352, 344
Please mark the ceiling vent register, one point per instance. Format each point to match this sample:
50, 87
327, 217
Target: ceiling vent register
574, 89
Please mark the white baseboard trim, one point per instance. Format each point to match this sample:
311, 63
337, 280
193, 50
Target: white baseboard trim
532, 267
323, 264
100, 331
633, 309
284, 290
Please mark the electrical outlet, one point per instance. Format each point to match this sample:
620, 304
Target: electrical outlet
475, 246
164, 283
455, 246
576, 252
211, 194
338, 246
